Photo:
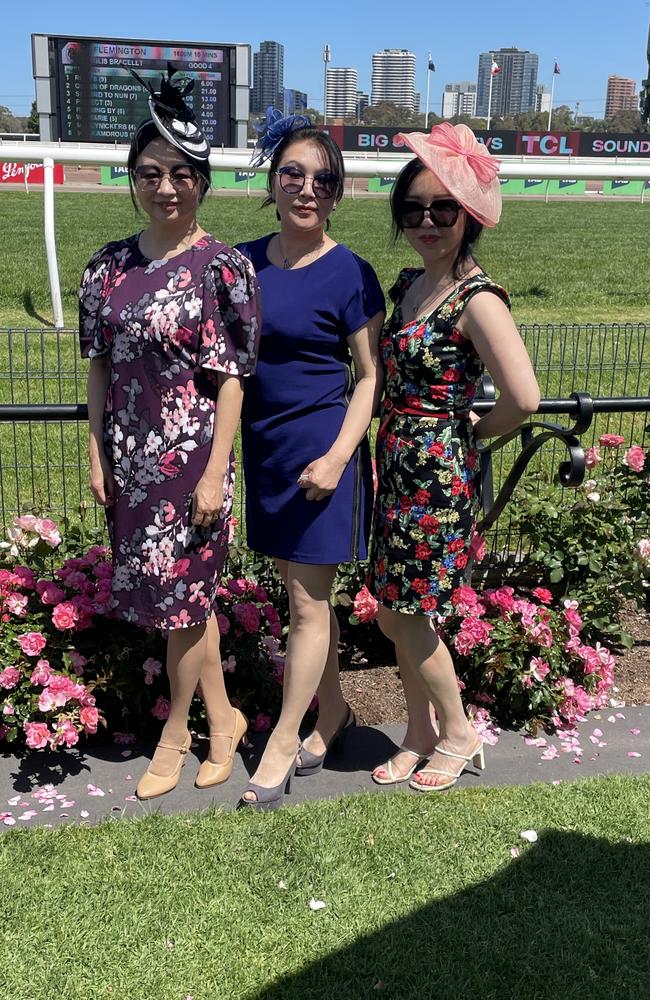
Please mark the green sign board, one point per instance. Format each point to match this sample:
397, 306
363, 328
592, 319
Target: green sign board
632, 189
381, 184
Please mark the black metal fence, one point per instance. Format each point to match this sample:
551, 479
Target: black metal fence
43, 463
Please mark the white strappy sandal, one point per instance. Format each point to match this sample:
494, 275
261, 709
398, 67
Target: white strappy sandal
477, 758
394, 778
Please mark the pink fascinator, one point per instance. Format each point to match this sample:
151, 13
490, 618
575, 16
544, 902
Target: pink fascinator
463, 165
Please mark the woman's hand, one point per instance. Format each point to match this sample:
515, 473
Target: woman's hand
102, 483
321, 477
207, 500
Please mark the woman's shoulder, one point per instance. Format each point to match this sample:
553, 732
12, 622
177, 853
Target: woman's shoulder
114, 250
254, 250
479, 282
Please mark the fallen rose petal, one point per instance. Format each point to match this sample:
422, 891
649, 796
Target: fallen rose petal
282, 884
317, 904
130, 798
29, 814
514, 852
529, 835
593, 739
635, 732
84, 814
9, 821
48, 808
611, 718
67, 804
598, 732
13, 801
619, 715
633, 753
556, 782
577, 760
128, 777
93, 790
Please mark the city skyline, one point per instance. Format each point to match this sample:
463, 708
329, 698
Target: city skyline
589, 47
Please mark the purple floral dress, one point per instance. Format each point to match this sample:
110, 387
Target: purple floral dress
168, 326
427, 462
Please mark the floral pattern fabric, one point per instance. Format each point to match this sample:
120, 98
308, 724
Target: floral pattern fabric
427, 462
168, 326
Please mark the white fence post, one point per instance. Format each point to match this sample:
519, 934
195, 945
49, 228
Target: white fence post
50, 241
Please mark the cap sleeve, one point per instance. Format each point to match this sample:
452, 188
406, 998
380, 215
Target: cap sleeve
365, 298
94, 337
467, 291
405, 279
231, 315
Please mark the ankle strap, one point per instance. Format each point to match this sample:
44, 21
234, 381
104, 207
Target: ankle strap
173, 746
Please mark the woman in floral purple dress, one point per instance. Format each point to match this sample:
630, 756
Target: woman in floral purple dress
170, 318
450, 322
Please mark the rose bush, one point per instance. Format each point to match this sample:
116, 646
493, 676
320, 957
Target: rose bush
66, 668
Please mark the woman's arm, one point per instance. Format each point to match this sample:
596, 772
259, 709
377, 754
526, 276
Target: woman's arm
208, 495
102, 484
488, 324
321, 477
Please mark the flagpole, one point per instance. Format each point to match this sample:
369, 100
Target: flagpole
550, 110
489, 114
426, 116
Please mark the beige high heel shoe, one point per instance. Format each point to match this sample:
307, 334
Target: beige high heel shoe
215, 774
477, 758
395, 779
151, 785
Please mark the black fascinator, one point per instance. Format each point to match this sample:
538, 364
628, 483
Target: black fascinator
173, 118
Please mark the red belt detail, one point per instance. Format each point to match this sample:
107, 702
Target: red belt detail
393, 410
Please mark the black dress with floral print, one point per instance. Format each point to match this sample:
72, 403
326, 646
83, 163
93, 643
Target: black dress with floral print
427, 462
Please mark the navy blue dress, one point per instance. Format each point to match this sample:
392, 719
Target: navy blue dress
296, 403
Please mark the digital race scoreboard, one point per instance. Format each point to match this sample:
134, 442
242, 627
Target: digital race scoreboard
86, 93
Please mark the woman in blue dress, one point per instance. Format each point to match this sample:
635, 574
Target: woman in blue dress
307, 461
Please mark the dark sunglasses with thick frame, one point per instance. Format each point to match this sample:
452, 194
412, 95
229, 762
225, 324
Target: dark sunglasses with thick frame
182, 176
292, 180
443, 213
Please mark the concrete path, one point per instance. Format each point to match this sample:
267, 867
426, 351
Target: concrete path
86, 786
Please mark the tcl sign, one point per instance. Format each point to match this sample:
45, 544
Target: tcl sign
33, 173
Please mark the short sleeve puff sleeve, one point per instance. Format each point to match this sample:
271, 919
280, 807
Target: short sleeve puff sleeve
365, 298
231, 315
94, 336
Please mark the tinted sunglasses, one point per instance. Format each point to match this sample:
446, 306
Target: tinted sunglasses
150, 178
443, 213
292, 181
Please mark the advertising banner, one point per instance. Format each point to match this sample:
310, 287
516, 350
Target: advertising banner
33, 173
381, 184
238, 179
631, 189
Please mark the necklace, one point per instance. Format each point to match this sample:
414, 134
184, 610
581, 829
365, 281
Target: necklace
287, 263
416, 309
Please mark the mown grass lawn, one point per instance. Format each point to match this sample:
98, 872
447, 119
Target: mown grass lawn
562, 262
423, 900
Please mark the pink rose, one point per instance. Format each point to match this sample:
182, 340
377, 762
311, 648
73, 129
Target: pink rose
32, 643
476, 549
572, 617
611, 440
17, 604
49, 592
8, 709
248, 616
634, 458
261, 723
37, 735
543, 595
27, 522
540, 668
160, 709
472, 632
41, 673
365, 606
49, 532
124, 739
89, 718
592, 457
9, 678
65, 732
26, 577
65, 615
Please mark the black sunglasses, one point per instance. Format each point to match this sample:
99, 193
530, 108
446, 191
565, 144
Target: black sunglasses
292, 181
443, 213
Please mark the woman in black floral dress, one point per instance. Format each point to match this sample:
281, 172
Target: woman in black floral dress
450, 321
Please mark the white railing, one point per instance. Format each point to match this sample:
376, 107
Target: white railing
379, 165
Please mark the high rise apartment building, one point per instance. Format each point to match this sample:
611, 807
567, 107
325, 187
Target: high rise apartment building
542, 99
268, 77
341, 92
393, 78
621, 95
513, 87
459, 99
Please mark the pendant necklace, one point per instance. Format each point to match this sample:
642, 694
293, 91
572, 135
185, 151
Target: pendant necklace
287, 264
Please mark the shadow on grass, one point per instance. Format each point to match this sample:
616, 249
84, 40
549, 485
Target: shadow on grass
567, 920
28, 305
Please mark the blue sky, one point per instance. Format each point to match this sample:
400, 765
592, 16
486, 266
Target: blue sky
590, 39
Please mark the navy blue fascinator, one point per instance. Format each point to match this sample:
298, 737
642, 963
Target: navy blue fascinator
273, 131
173, 118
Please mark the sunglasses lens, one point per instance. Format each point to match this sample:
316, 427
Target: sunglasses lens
325, 185
292, 180
444, 213
412, 214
